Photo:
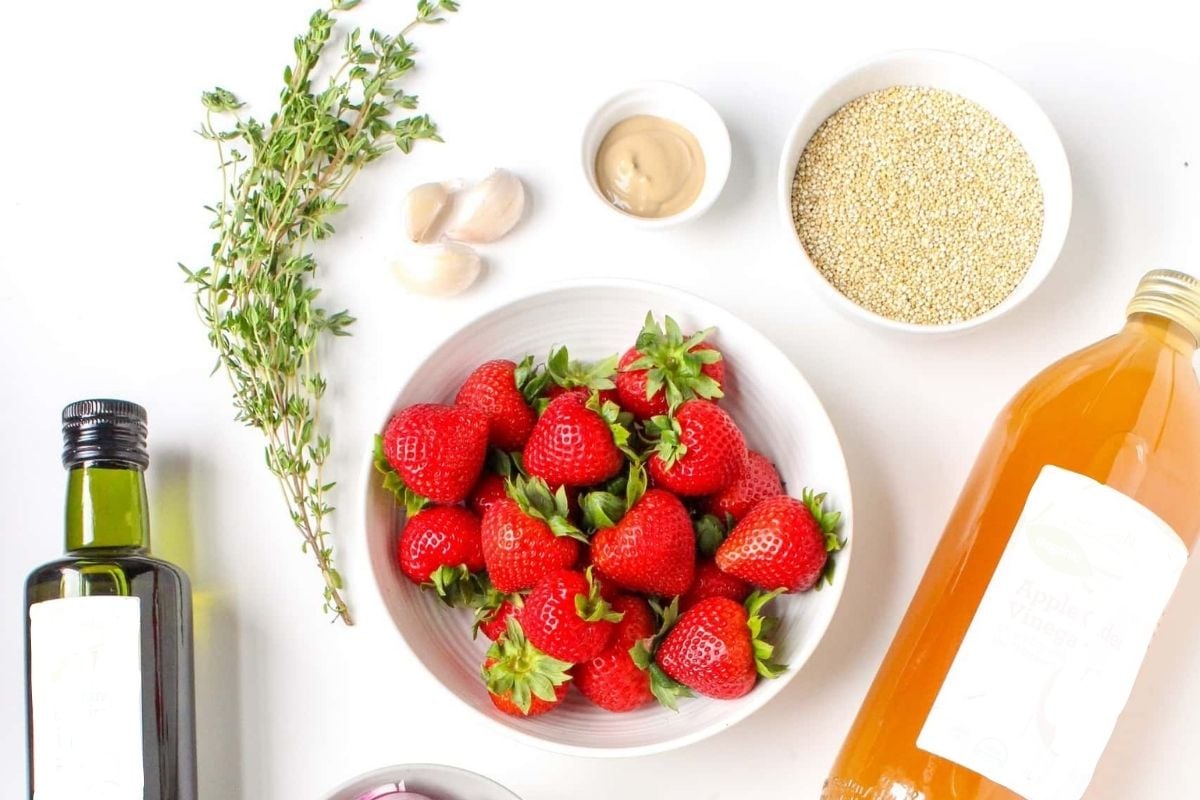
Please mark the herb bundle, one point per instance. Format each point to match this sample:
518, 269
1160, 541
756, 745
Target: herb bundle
281, 182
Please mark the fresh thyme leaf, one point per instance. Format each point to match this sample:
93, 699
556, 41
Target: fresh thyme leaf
282, 180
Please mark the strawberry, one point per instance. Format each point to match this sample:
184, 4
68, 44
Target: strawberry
699, 451
783, 543
565, 616
576, 443
567, 375
522, 680
493, 621
712, 582
487, 492
756, 480
503, 391
612, 680
527, 535
439, 538
437, 451
717, 649
664, 368
649, 548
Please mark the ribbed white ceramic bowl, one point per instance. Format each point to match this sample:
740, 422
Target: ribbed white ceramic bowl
766, 394
434, 780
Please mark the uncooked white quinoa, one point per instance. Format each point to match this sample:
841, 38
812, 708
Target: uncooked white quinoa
918, 204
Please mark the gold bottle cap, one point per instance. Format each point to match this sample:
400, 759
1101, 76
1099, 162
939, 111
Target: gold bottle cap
1170, 294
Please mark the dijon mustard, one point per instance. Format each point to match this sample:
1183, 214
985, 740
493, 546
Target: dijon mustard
650, 167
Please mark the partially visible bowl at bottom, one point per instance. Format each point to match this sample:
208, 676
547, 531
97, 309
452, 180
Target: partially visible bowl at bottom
437, 781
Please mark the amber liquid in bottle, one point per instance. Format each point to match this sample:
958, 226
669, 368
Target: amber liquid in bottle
1124, 412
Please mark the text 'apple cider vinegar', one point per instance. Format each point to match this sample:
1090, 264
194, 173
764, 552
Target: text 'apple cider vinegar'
1026, 634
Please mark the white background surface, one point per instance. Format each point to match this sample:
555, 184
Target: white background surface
103, 184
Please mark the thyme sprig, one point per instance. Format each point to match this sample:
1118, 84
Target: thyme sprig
281, 182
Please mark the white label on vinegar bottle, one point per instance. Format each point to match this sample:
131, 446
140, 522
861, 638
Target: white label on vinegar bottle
1049, 660
86, 686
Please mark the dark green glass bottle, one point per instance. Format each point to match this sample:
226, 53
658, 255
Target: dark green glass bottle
109, 631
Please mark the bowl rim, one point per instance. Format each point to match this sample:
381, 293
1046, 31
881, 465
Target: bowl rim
384, 773
720, 143
1051, 245
766, 690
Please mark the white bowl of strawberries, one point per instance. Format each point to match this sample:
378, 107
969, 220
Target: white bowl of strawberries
572, 539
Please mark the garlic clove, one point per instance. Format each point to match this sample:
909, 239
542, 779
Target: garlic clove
439, 270
425, 210
489, 209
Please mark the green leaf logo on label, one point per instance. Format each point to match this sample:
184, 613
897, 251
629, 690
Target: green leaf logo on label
1059, 550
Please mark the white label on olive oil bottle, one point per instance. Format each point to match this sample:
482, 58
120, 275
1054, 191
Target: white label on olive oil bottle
86, 687
1049, 660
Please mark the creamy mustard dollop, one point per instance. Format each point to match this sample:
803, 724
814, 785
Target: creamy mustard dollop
650, 167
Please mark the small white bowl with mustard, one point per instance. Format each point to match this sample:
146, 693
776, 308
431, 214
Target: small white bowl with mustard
657, 154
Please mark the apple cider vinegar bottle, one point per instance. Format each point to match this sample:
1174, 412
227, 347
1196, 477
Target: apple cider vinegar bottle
1024, 639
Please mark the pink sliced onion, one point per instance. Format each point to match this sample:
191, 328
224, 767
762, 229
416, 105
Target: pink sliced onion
392, 791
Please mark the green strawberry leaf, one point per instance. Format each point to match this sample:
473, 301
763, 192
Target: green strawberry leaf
641, 655
672, 364
760, 627
570, 374
635, 484
602, 509
618, 423
521, 671
592, 607
505, 464
489, 602
664, 432
711, 531
394, 484
665, 689
536, 500
457, 587
829, 521
826, 578
531, 379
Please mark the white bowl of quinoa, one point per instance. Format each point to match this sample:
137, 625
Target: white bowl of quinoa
926, 192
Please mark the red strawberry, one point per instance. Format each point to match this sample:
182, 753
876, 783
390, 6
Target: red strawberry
756, 480
522, 680
665, 368
565, 617
527, 536
716, 649
576, 443
441, 536
612, 680
652, 549
438, 451
503, 390
783, 543
700, 450
712, 582
485, 494
493, 621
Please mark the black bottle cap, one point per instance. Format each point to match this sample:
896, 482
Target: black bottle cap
104, 430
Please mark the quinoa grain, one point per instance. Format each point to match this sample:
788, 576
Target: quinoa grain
918, 205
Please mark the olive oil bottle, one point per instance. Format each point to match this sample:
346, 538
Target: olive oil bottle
109, 631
